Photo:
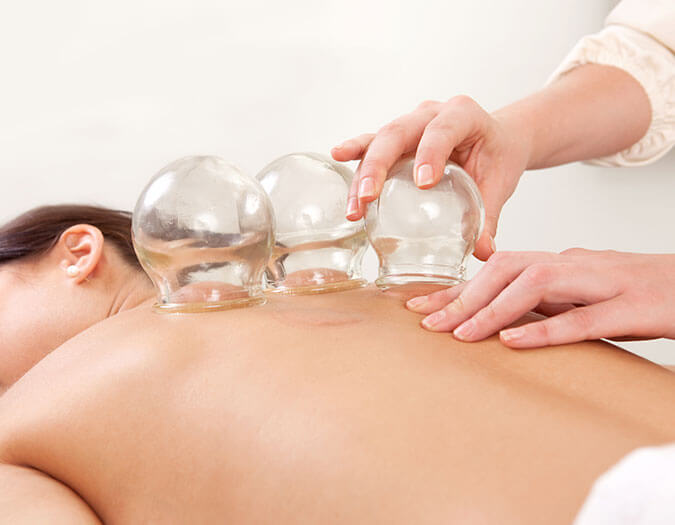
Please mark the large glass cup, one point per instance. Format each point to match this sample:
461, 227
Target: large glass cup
424, 236
316, 249
203, 232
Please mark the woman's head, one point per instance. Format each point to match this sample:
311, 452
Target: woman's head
62, 269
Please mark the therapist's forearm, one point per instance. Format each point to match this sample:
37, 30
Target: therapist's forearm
590, 112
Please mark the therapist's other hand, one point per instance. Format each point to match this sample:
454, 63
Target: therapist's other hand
587, 294
488, 147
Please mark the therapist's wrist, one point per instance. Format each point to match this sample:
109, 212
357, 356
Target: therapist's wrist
517, 126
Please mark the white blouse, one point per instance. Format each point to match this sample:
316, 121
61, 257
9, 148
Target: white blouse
639, 38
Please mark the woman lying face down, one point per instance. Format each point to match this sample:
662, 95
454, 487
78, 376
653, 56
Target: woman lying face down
330, 408
62, 269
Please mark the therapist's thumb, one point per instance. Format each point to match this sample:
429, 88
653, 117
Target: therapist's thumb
485, 246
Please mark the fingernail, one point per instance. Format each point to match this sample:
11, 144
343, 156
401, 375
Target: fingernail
366, 188
512, 334
492, 244
433, 319
465, 329
417, 301
425, 175
352, 206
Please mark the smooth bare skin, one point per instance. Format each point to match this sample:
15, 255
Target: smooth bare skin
592, 111
332, 408
588, 294
42, 307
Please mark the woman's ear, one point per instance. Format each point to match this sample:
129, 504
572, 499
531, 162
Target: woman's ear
81, 247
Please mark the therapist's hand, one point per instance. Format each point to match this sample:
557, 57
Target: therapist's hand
587, 294
493, 150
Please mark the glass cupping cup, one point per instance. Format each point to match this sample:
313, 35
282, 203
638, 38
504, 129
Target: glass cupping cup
316, 249
203, 231
424, 236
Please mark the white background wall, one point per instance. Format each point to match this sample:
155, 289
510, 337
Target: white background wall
97, 96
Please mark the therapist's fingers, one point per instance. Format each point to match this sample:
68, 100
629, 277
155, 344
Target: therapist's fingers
425, 304
460, 132
494, 196
352, 149
460, 118
485, 245
493, 277
551, 283
605, 319
391, 142
355, 207
549, 309
491, 183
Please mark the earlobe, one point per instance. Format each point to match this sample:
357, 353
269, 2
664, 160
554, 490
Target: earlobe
82, 247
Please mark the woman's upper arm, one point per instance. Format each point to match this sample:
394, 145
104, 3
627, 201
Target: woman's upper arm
639, 39
28, 496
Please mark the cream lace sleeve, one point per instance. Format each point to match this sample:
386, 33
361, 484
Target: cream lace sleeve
653, 65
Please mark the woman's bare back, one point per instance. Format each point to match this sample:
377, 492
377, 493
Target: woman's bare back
332, 408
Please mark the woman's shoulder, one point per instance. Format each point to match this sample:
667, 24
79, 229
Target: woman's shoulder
83, 379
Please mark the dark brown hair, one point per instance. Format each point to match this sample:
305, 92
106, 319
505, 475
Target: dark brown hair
38, 230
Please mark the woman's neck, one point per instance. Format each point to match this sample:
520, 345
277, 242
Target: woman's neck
134, 290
